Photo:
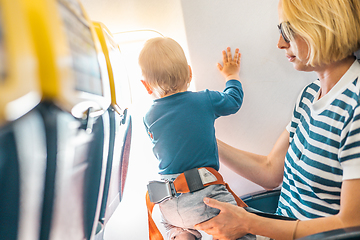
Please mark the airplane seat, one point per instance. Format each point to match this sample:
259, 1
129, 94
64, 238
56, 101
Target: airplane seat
75, 169
22, 176
22, 132
125, 156
75, 96
109, 166
116, 170
9, 184
100, 224
120, 127
95, 177
265, 201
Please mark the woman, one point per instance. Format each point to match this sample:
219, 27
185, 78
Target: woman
317, 157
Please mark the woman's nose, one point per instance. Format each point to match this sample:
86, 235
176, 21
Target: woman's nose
282, 44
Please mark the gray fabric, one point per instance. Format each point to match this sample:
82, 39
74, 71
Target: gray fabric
181, 213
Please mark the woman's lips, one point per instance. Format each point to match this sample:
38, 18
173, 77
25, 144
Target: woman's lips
290, 58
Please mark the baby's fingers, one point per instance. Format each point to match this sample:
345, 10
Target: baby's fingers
219, 67
224, 57
237, 56
229, 54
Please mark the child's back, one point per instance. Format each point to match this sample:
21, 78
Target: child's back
181, 127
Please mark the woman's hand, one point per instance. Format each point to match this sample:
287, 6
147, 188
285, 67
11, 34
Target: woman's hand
231, 68
230, 224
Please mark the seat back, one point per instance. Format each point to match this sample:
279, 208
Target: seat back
75, 96
22, 131
120, 126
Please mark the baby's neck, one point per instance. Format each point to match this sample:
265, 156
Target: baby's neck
172, 93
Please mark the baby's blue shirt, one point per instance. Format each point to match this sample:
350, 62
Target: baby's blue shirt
181, 127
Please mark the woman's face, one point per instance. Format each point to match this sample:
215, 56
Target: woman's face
296, 51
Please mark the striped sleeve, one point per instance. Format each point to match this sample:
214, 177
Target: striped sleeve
350, 151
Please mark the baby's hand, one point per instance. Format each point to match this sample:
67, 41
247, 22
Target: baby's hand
231, 68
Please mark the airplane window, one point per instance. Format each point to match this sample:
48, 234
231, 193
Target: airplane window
74, 6
2, 55
122, 87
84, 56
131, 44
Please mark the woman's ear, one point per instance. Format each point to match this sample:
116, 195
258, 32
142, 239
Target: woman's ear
147, 86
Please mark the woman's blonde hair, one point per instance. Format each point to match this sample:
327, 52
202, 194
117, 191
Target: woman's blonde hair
164, 65
331, 28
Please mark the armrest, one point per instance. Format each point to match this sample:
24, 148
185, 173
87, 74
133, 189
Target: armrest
264, 201
338, 234
268, 215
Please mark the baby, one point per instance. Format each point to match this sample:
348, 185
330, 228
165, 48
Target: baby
180, 124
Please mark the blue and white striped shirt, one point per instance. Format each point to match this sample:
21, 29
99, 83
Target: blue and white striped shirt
324, 148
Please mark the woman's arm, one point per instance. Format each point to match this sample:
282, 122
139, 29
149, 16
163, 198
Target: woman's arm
348, 216
267, 171
234, 222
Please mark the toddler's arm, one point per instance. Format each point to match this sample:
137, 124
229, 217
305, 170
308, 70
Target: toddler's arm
231, 68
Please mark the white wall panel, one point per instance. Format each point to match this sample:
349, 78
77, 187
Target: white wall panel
271, 85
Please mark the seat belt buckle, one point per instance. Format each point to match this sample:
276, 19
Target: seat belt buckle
160, 190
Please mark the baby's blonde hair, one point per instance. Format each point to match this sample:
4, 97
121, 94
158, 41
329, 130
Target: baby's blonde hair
164, 65
331, 28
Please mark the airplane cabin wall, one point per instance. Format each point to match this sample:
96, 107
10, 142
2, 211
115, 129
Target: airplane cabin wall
271, 85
